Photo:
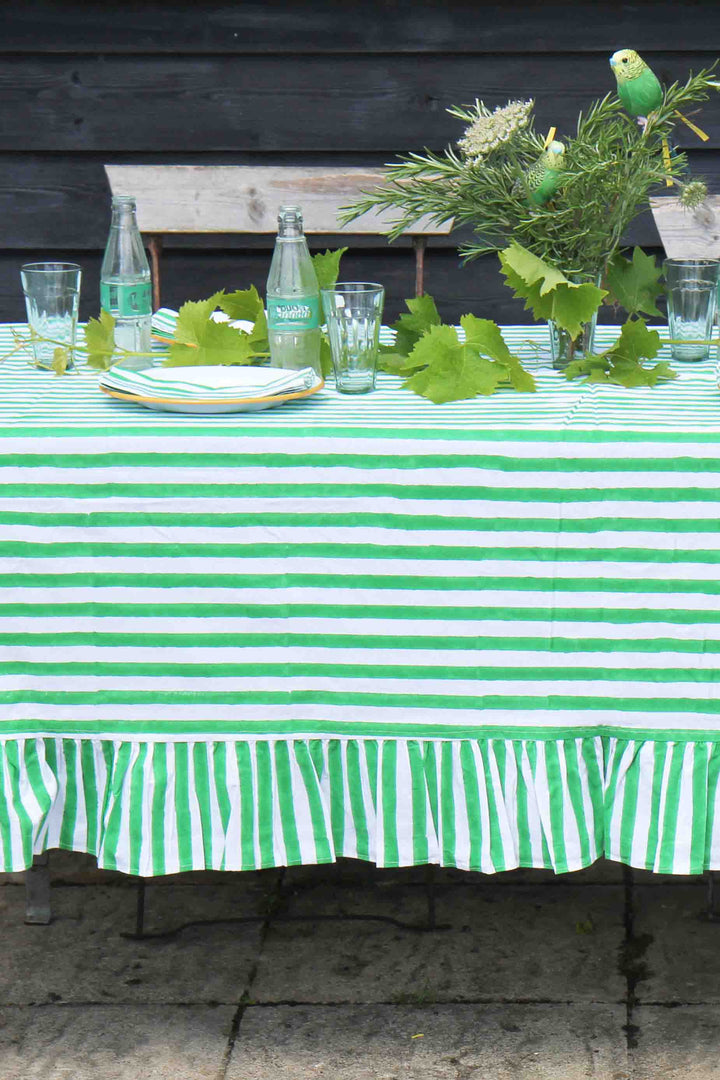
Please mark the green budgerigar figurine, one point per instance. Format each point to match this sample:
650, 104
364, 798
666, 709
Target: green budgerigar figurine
543, 178
638, 86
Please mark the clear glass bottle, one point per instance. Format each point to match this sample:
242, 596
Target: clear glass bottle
125, 289
293, 297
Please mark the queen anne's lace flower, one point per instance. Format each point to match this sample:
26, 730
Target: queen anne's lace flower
693, 194
492, 129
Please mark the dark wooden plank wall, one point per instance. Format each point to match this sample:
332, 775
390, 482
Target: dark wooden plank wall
321, 82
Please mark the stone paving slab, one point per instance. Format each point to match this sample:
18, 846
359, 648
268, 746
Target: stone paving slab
147, 1042
676, 1044
682, 947
504, 943
82, 957
444, 1042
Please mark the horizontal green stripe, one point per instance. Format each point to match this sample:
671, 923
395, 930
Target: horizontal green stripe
411, 700
394, 430
556, 645
412, 522
267, 729
283, 579
330, 489
284, 669
332, 610
202, 459
255, 549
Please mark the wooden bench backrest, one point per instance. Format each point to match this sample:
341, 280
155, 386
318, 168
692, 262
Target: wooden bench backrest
246, 198
688, 234
193, 199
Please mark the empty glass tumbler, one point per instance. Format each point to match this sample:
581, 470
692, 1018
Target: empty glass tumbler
353, 312
52, 297
692, 286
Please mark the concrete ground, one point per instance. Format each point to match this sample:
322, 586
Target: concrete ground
321, 972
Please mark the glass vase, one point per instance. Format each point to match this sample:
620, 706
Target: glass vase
564, 348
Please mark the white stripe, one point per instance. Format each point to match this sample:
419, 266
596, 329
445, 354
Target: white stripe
502, 661
343, 682
649, 629
670, 750
320, 596
683, 836
142, 720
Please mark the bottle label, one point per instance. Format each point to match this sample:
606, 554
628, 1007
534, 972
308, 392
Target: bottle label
126, 300
302, 313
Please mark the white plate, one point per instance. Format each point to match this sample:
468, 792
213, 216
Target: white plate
217, 378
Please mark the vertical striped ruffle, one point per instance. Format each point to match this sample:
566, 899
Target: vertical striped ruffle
487, 805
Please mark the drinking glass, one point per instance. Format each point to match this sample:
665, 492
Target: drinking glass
52, 296
353, 312
692, 286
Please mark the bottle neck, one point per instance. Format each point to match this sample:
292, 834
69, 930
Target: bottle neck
290, 223
123, 214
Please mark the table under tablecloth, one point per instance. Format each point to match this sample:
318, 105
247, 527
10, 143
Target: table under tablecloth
482, 634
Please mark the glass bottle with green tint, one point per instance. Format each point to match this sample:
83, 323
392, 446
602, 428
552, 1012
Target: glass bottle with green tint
125, 290
293, 297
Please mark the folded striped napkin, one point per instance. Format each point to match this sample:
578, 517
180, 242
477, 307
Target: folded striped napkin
208, 383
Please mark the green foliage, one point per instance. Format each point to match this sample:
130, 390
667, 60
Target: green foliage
547, 292
327, 267
241, 304
622, 364
99, 341
421, 315
610, 167
199, 340
438, 366
634, 284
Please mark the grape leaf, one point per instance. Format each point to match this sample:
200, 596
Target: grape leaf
547, 292
327, 267
199, 340
242, 304
194, 317
259, 334
531, 269
61, 359
486, 336
218, 343
422, 314
636, 342
622, 364
100, 341
452, 371
634, 283
326, 364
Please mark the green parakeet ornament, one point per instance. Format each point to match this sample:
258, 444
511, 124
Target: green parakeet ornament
542, 179
638, 87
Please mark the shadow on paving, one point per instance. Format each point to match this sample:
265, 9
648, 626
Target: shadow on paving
310, 972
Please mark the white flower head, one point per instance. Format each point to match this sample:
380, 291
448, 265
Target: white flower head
693, 194
492, 129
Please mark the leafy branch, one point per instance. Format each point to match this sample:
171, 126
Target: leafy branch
609, 168
437, 365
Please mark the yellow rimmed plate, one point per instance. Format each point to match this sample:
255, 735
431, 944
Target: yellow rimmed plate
217, 378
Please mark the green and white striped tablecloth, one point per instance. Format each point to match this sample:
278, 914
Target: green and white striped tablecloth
484, 634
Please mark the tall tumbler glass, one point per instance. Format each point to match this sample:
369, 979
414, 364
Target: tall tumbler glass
353, 312
692, 286
52, 297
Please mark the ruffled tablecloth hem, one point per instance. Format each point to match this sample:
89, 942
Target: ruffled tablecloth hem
151, 807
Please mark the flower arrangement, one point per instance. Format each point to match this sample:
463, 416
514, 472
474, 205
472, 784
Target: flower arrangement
569, 203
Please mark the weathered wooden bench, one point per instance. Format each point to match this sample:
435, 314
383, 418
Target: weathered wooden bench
205, 199
688, 234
